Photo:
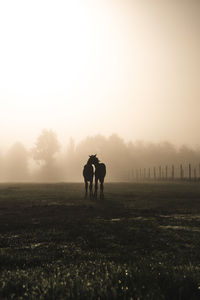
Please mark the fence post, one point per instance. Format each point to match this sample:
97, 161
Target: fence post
137, 174
129, 175
189, 172
181, 172
166, 173
160, 172
144, 175
172, 172
140, 174
132, 175
154, 173
195, 174
149, 174
199, 172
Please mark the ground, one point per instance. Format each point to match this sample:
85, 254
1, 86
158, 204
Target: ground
141, 242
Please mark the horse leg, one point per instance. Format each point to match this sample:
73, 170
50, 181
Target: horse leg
86, 188
91, 186
101, 190
95, 188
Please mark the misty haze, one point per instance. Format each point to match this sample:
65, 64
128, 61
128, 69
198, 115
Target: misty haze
100, 67
48, 160
100, 149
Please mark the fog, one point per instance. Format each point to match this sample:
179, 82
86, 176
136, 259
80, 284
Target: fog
94, 68
48, 160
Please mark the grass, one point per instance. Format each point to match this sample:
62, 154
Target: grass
141, 242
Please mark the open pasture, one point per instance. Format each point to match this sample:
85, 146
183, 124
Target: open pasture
141, 242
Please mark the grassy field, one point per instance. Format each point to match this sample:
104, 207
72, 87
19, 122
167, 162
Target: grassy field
141, 242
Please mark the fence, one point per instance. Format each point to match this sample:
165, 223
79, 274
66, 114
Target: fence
166, 173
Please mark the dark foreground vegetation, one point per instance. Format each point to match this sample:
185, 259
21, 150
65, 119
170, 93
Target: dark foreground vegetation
141, 242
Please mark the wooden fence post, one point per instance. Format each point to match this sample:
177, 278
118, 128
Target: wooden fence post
149, 174
144, 175
195, 174
132, 175
159, 172
189, 172
172, 172
162, 173
181, 172
137, 174
199, 172
154, 173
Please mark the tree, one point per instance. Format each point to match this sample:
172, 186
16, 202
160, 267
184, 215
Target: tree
46, 147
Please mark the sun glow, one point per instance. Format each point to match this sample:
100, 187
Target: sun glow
58, 48
68, 65
62, 62
47, 45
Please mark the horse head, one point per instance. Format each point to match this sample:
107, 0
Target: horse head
93, 159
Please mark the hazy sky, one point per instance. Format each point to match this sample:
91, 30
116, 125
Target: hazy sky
85, 67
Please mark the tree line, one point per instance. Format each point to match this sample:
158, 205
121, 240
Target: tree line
49, 161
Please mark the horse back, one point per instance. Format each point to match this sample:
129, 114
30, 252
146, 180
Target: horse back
100, 171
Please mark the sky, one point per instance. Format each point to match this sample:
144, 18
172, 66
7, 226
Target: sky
87, 67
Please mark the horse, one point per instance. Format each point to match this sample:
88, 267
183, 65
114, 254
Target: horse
100, 173
88, 174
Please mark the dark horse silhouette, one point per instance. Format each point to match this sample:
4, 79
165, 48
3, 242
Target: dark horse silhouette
100, 173
88, 174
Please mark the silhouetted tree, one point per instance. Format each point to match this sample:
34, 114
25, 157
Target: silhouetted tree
44, 152
46, 147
